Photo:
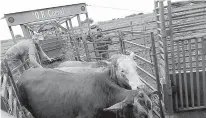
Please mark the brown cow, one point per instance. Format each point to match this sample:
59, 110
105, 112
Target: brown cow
52, 93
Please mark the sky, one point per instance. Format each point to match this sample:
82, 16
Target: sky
98, 10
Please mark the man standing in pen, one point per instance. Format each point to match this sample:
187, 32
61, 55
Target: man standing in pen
103, 44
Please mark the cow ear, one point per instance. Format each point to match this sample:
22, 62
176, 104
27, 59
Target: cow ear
132, 55
105, 62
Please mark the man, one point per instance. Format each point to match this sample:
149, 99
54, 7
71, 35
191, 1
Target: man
18, 53
102, 46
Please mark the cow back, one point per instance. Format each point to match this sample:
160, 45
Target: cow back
55, 93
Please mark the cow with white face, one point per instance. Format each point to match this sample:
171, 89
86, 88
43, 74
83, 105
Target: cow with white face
123, 65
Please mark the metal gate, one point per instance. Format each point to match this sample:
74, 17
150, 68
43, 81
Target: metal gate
43, 16
9, 92
123, 42
181, 38
147, 64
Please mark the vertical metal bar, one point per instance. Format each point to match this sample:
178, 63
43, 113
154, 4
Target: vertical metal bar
4, 86
163, 34
191, 74
68, 32
10, 100
203, 71
87, 17
172, 50
95, 48
84, 39
157, 18
67, 25
165, 93
179, 71
131, 25
71, 41
157, 74
74, 40
121, 42
25, 31
197, 73
185, 76
12, 35
71, 26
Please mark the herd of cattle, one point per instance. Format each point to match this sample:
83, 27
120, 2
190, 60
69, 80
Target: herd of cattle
104, 89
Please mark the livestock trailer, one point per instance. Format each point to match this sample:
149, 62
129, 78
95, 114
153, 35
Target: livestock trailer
47, 20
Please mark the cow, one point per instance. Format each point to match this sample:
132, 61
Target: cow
123, 65
101, 63
52, 93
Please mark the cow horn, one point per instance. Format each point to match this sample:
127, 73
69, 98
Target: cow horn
119, 105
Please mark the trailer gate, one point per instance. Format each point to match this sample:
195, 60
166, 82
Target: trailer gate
56, 16
181, 38
146, 65
40, 17
9, 92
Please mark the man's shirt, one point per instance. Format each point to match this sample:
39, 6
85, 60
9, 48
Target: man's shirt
22, 48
